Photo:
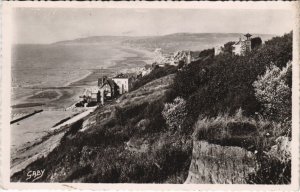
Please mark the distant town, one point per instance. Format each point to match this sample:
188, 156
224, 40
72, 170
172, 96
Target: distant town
109, 88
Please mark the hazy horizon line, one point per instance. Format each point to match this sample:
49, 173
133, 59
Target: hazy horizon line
147, 36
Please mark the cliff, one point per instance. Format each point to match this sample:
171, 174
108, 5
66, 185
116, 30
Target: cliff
218, 164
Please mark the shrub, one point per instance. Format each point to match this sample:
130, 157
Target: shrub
259, 135
224, 83
156, 73
175, 113
123, 115
236, 130
272, 90
256, 42
227, 49
272, 171
206, 53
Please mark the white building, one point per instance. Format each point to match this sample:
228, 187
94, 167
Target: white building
218, 49
146, 70
242, 46
124, 83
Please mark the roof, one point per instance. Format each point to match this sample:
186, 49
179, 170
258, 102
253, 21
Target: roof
248, 35
110, 82
148, 66
195, 53
121, 76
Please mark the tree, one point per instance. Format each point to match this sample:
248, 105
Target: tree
206, 53
274, 93
175, 113
256, 42
228, 47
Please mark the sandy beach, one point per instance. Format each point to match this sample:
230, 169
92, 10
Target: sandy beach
34, 135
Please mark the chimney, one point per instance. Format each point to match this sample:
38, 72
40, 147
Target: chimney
99, 82
102, 96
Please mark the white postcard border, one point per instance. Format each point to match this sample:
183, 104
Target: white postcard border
6, 82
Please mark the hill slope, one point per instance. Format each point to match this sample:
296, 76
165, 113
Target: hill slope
132, 140
168, 43
187, 41
125, 141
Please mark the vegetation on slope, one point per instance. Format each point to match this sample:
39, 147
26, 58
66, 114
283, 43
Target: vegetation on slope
156, 73
260, 85
128, 142
146, 135
225, 83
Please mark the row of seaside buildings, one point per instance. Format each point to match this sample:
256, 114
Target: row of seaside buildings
244, 45
109, 88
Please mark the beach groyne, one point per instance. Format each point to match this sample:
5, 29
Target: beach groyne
25, 116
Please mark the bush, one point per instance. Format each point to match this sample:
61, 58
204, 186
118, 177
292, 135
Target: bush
224, 83
272, 171
206, 53
123, 115
256, 42
175, 113
156, 73
226, 130
272, 90
256, 135
227, 49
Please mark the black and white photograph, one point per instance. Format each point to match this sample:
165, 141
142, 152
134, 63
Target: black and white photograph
152, 95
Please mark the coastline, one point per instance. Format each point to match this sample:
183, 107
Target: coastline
68, 84
40, 139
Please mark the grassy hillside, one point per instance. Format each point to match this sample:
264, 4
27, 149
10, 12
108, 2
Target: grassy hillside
217, 87
125, 141
145, 136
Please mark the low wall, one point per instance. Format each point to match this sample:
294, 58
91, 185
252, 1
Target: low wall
25, 116
213, 163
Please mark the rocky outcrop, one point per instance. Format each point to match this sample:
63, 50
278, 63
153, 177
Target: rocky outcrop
213, 163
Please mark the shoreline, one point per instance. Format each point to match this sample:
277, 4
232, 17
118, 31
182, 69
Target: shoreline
44, 145
51, 137
68, 84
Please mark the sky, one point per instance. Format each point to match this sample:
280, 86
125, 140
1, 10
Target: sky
48, 25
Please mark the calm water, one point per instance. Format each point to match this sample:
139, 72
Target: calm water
48, 66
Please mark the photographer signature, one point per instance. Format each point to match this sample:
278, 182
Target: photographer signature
35, 175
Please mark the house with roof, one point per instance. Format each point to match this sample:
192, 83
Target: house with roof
185, 57
242, 46
108, 88
124, 83
146, 70
218, 49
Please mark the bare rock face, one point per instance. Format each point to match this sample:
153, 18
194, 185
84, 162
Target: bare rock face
218, 164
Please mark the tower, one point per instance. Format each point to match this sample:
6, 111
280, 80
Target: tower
248, 36
248, 42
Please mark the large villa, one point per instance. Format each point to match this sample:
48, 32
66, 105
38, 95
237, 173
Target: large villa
108, 88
